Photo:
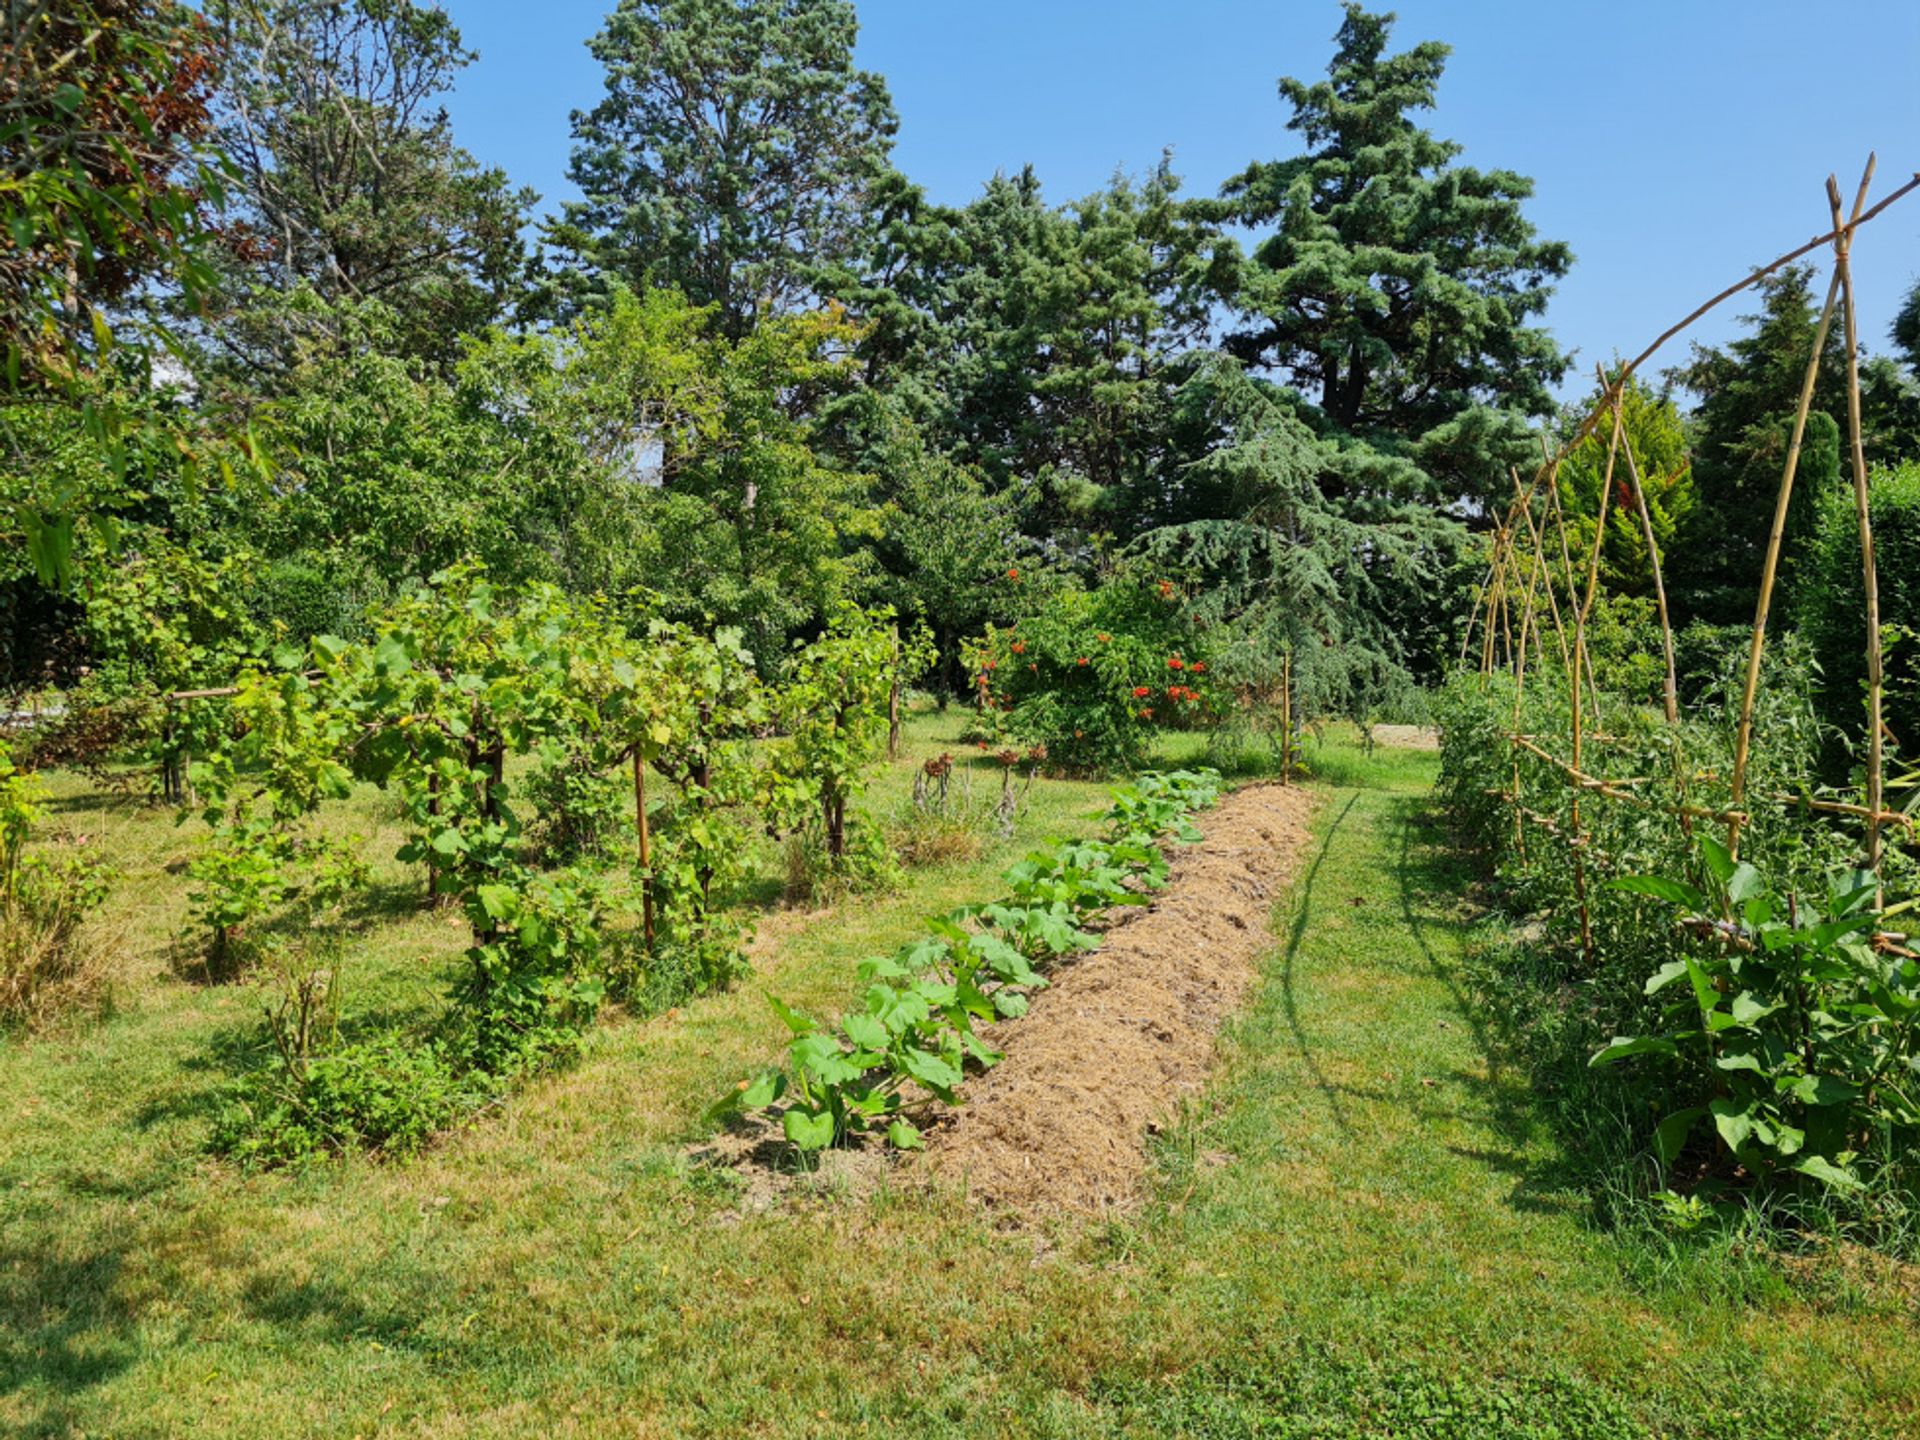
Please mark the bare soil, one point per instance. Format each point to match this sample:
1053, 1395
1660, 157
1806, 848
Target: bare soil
1107, 1052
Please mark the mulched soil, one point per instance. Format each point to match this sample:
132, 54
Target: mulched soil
1108, 1051
1104, 1056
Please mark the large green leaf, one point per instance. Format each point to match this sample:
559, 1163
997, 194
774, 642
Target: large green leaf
1660, 888
1622, 1046
1734, 1121
807, 1130
1671, 1134
866, 1031
1824, 1170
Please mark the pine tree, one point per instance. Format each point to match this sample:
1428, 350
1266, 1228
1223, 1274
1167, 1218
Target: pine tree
1748, 391
732, 156
1397, 288
351, 183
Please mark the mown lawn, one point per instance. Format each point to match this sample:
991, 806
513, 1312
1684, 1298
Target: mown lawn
1364, 1232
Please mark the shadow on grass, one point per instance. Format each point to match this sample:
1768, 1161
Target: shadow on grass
1429, 878
72, 1323
1289, 993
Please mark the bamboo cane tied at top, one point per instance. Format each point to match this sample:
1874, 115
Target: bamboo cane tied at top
1743, 737
1579, 653
1862, 499
1671, 693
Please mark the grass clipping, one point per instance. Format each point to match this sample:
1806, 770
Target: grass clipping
1125, 1032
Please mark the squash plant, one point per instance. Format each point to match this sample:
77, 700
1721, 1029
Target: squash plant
1796, 1035
915, 1031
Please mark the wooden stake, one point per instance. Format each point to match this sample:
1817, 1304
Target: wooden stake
646, 848
893, 702
1653, 556
1876, 728
1749, 695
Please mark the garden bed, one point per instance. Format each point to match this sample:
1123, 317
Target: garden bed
1125, 1032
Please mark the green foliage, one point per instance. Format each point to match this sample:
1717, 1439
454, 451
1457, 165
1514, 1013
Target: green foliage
834, 702
1653, 433
390, 1096
1741, 430
1284, 565
349, 180
105, 177
1398, 286
1786, 1030
1830, 604
730, 156
1764, 987
917, 1023
455, 678
258, 792
1090, 675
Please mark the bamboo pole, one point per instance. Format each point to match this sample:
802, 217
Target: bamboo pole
1540, 559
1862, 504
1573, 595
1653, 554
646, 846
1592, 419
1749, 695
1519, 691
1579, 654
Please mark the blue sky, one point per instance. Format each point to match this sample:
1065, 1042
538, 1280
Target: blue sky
1674, 145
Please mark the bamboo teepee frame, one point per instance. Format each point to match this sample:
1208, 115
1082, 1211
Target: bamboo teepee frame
1521, 559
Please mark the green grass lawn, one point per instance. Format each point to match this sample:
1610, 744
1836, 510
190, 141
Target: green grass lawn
1364, 1231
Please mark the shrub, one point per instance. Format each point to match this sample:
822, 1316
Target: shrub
834, 705
1830, 603
48, 958
1092, 674
391, 1095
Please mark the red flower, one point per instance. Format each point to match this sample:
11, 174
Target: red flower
1199, 667
1173, 692
1146, 714
1140, 691
1081, 661
1174, 662
1166, 587
1013, 574
991, 664
1103, 637
1019, 647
